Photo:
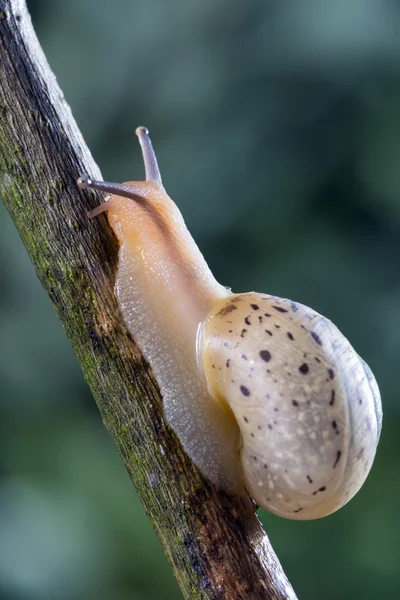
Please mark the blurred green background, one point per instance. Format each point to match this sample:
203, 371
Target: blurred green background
277, 128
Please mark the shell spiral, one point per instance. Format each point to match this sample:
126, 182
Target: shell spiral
307, 405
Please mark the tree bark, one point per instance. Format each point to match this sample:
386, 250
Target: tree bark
215, 543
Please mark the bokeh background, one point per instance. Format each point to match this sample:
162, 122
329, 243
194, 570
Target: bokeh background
277, 127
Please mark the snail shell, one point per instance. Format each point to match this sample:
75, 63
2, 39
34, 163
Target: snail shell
307, 405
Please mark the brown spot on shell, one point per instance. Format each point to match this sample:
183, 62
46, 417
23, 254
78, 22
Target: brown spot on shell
280, 309
265, 355
245, 391
338, 455
316, 338
360, 454
304, 368
321, 489
225, 310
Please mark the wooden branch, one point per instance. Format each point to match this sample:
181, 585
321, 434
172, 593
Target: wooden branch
214, 543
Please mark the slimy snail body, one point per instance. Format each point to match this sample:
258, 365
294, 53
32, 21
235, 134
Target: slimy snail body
264, 394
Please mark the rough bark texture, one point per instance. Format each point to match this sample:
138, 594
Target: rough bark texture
214, 543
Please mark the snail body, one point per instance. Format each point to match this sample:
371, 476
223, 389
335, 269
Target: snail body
264, 393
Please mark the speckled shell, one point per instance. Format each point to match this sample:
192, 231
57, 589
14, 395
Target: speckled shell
307, 405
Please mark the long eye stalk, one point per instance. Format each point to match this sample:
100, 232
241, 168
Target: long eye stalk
149, 156
119, 189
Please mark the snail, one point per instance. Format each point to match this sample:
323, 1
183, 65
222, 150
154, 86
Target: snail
265, 394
